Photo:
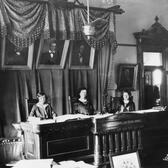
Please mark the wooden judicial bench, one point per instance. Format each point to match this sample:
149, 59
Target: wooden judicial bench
99, 137
61, 141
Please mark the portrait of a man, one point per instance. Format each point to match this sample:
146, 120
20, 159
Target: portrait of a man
82, 55
52, 53
14, 57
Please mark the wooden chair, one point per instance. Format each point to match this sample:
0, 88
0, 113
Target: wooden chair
113, 104
71, 104
29, 105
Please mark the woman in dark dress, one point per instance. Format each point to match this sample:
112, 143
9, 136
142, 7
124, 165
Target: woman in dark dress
126, 102
82, 105
42, 109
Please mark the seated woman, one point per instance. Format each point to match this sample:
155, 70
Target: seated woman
126, 103
82, 105
42, 109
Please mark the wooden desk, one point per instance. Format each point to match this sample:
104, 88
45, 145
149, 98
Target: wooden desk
57, 140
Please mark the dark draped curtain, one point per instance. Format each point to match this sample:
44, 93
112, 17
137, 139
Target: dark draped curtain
23, 22
96, 80
87, 79
16, 86
59, 85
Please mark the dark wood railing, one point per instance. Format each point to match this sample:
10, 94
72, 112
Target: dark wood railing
115, 135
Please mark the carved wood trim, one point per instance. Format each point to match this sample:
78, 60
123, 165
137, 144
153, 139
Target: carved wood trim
154, 39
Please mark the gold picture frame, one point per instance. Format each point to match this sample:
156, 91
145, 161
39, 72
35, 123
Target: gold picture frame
81, 55
47, 59
15, 58
127, 76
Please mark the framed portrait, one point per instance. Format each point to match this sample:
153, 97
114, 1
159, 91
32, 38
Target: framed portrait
81, 55
52, 53
125, 160
127, 78
16, 58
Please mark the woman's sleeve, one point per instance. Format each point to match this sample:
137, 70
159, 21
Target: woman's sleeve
33, 111
132, 108
52, 112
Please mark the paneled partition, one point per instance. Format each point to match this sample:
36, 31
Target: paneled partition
115, 135
60, 141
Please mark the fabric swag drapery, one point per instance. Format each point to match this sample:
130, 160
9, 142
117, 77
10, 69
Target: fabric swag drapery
23, 22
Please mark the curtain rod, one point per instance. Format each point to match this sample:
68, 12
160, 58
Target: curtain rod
64, 4
115, 9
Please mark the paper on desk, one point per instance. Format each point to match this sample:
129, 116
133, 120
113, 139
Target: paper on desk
143, 111
37, 120
34, 163
66, 117
73, 164
97, 116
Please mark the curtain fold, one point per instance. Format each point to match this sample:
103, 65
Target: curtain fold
96, 80
84, 78
101, 24
51, 83
59, 85
3, 20
24, 85
24, 22
104, 60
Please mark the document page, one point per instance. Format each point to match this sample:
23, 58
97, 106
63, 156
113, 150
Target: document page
34, 163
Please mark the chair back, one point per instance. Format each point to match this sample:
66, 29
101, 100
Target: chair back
114, 104
71, 104
29, 105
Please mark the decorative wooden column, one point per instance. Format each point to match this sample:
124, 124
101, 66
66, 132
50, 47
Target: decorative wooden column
154, 39
97, 154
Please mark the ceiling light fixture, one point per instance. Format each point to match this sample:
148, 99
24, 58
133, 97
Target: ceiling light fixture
88, 28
